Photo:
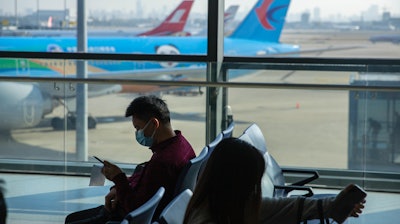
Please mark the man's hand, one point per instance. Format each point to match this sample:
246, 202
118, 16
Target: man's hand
110, 170
111, 200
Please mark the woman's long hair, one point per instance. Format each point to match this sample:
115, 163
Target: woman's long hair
231, 184
3, 206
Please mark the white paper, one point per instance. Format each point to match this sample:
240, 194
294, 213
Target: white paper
96, 177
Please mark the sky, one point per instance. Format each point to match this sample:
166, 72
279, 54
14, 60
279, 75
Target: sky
327, 7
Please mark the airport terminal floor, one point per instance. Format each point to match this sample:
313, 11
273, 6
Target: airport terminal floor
31, 201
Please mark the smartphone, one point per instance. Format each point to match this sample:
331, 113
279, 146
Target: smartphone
345, 203
98, 159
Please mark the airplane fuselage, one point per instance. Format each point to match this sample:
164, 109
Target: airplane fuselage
143, 45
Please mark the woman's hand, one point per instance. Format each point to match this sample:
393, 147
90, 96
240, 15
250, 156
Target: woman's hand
357, 210
348, 203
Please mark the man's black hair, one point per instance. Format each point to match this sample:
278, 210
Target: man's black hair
146, 107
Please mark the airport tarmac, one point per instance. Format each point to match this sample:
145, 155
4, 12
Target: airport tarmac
298, 124
325, 39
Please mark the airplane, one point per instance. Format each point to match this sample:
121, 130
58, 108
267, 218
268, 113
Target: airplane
230, 13
345, 27
229, 16
392, 38
173, 24
25, 104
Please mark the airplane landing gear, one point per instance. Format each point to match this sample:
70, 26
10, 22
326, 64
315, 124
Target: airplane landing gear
69, 123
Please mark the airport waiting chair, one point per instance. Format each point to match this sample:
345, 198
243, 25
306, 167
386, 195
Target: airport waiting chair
273, 182
255, 134
143, 214
188, 176
174, 212
276, 174
245, 137
228, 131
267, 186
210, 148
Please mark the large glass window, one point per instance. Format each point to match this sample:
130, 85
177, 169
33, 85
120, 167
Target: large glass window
134, 27
295, 77
52, 104
39, 120
329, 129
278, 28
314, 28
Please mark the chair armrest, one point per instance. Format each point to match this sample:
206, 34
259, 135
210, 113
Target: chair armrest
289, 188
314, 175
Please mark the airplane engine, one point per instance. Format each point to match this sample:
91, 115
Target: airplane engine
22, 105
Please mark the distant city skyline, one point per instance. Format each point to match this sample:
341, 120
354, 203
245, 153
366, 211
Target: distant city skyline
323, 9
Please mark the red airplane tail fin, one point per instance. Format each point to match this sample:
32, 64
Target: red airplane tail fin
174, 23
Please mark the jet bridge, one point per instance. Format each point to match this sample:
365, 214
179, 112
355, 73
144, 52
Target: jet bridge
374, 124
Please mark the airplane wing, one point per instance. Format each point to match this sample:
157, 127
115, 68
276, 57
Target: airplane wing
330, 48
58, 69
174, 74
166, 74
310, 51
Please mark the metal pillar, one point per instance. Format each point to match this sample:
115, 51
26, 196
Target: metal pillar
81, 88
215, 53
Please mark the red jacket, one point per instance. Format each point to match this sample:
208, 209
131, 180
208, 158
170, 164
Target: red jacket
162, 170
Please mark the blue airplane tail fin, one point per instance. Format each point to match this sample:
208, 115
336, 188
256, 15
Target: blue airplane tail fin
264, 22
